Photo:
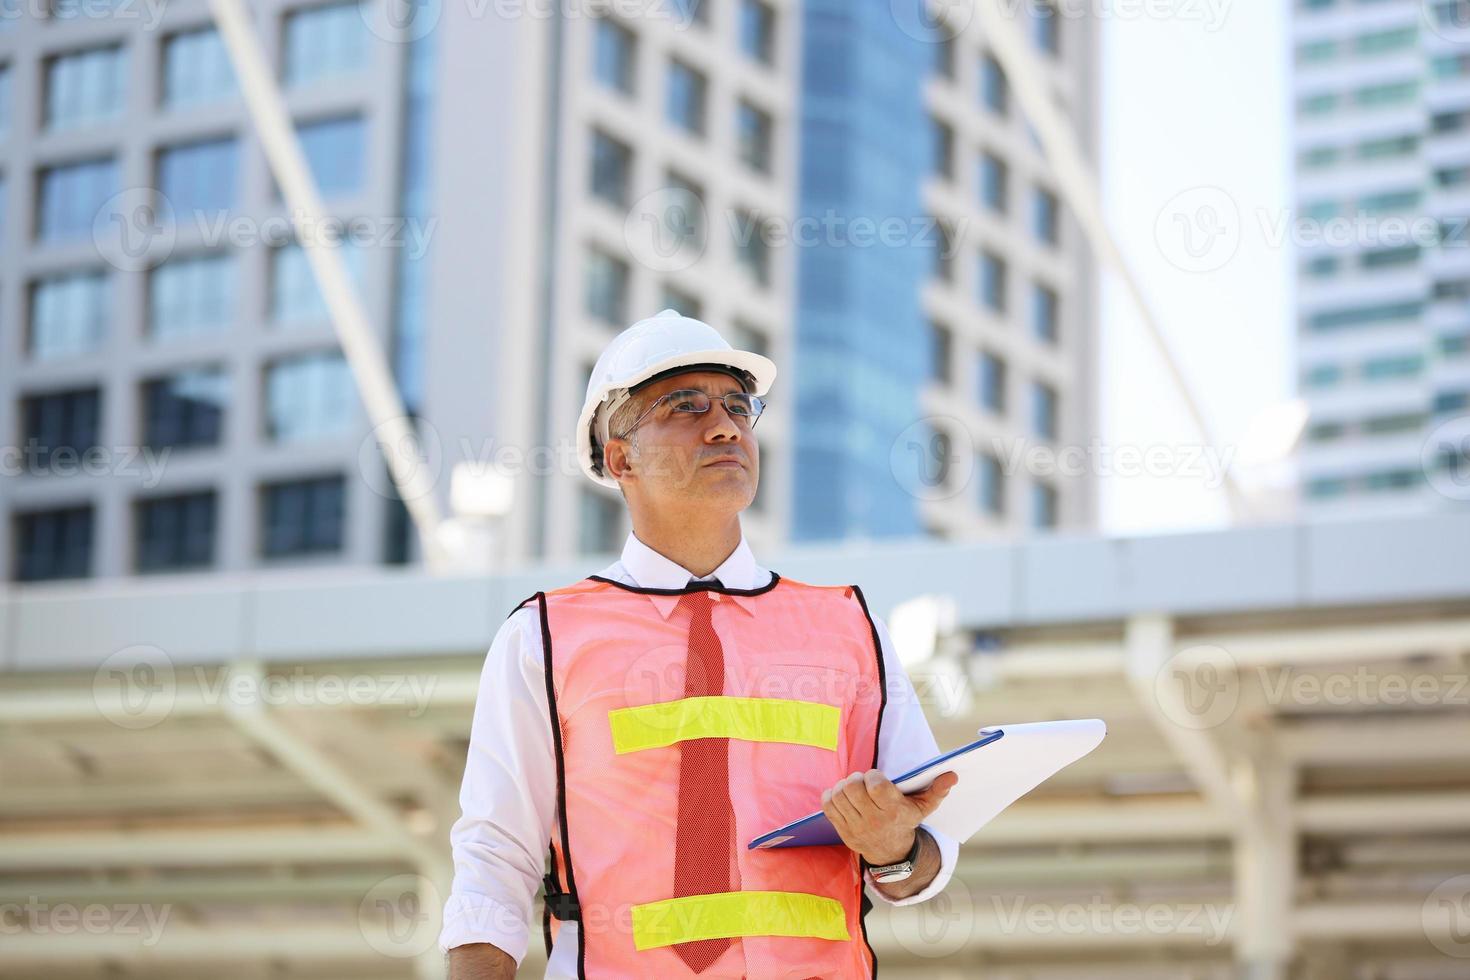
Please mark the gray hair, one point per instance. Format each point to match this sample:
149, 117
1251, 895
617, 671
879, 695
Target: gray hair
622, 420
627, 414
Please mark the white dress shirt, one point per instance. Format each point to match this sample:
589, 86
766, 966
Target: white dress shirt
508, 798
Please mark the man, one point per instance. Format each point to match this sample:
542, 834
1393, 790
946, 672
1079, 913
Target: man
634, 731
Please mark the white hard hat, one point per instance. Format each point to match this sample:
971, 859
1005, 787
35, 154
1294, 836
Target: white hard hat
652, 347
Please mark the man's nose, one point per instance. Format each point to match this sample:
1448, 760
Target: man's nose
722, 422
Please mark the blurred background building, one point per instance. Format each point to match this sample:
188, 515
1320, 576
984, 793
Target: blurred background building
502, 172
251, 772
1382, 107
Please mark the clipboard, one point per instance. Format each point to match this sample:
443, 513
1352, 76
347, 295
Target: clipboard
1004, 764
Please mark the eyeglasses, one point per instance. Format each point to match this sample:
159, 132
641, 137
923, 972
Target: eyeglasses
740, 404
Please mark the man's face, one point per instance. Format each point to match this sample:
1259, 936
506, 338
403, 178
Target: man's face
675, 458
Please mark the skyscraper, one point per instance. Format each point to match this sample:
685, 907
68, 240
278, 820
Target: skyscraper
1383, 196
518, 182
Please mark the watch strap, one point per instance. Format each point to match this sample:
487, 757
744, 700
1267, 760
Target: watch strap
910, 857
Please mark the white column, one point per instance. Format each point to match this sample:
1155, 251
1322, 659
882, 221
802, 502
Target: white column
1265, 865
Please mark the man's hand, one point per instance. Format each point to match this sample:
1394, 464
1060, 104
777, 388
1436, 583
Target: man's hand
875, 819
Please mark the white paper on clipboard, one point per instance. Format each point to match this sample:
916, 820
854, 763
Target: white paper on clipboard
999, 774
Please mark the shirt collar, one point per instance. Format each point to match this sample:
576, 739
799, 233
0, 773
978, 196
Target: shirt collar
650, 570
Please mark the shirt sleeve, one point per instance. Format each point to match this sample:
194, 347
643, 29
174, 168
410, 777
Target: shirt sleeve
905, 741
508, 797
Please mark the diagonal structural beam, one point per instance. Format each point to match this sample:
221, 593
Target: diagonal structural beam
1165, 700
365, 358
1078, 186
307, 761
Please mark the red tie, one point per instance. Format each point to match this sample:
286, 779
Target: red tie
705, 837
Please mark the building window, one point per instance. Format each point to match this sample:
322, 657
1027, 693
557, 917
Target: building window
1389, 94
66, 421
1319, 157
745, 336
334, 151
1391, 258
308, 396
1394, 424
935, 471
692, 11
992, 382
1043, 505
1391, 480
302, 517
751, 248
1326, 431
1453, 345
1321, 267
681, 300
993, 281
5, 88
942, 267
185, 409
175, 532
1446, 402
941, 353
324, 41
53, 544
995, 89
685, 217
1322, 376
68, 314
612, 168
1318, 105
1044, 216
944, 54
85, 88
71, 197
687, 89
1364, 316
191, 296
753, 132
1043, 410
601, 524
1047, 28
992, 486
198, 178
196, 69
615, 56
295, 299
1388, 148
760, 502
758, 31
994, 182
942, 148
1044, 305
607, 288
1321, 488
1317, 51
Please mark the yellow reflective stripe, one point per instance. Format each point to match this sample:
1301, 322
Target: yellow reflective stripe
683, 920
652, 726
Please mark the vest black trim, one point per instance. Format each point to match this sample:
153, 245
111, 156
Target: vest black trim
867, 903
558, 901
694, 587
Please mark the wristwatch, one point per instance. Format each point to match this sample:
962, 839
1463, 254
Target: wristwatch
888, 873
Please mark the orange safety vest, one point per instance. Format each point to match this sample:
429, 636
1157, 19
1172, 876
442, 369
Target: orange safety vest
803, 697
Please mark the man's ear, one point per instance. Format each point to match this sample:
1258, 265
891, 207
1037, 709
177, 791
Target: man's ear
616, 462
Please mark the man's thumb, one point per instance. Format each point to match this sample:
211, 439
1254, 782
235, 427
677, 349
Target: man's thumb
930, 797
